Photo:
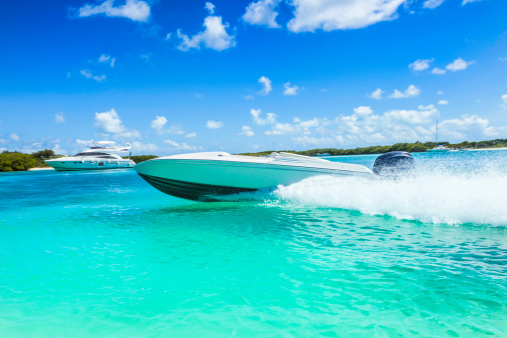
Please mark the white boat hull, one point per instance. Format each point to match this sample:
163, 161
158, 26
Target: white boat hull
204, 179
76, 165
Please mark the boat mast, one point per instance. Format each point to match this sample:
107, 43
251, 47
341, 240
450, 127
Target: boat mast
436, 134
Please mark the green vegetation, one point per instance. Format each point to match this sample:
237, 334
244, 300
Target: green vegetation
416, 147
141, 158
42, 155
15, 161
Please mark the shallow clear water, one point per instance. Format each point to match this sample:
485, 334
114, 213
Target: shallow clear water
105, 254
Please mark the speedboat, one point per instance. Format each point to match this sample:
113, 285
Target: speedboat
101, 156
204, 176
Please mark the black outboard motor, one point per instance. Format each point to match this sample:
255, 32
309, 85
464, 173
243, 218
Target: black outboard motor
394, 164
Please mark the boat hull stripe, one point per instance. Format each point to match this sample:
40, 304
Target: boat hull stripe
191, 191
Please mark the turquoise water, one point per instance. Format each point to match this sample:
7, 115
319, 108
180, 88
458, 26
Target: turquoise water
105, 254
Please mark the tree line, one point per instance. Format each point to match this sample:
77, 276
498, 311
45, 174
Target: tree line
416, 147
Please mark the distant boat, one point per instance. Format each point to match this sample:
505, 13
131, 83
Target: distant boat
439, 148
103, 155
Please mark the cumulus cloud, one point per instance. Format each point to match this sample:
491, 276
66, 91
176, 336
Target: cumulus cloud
443, 102
214, 35
159, 125
411, 91
290, 90
266, 83
432, 3
468, 1
139, 147
298, 126
310, 15
110, 122
262, 13
504, 101
210, 7
377, 94
438, 71
87, 74
214, 124
246, 131
136, 10
183, 146
420, 64
107, 59
14, 137
459, 64
258, 120
59, 118
191, 135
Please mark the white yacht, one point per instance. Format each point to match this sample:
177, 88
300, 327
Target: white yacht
103, 155
203, 176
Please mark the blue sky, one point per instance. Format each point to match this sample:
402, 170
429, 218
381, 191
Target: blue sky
239, 76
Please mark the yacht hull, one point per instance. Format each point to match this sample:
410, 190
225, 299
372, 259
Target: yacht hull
73, 165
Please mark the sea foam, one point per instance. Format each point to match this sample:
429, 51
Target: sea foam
430, 196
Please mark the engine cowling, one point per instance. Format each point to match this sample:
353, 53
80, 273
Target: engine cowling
394, 164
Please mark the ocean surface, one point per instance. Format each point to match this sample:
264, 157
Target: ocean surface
104, 254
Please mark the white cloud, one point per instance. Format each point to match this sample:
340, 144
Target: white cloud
191, 135
183, 146
443, 102
110, 122
468, 1
214, 36
420, 64
438, 71
411, 91
432, 3
158, 124
291, 91
266, 82
440, 92
139, 147
262, 13
298, 127
310, 15
136, 10
59, 118
214, 124
14, 137
247, 131
363, 111
504, 101
377, 94
256, 117
210, 7
459, 64
107, 59
89, 75
168, 36
249, 97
